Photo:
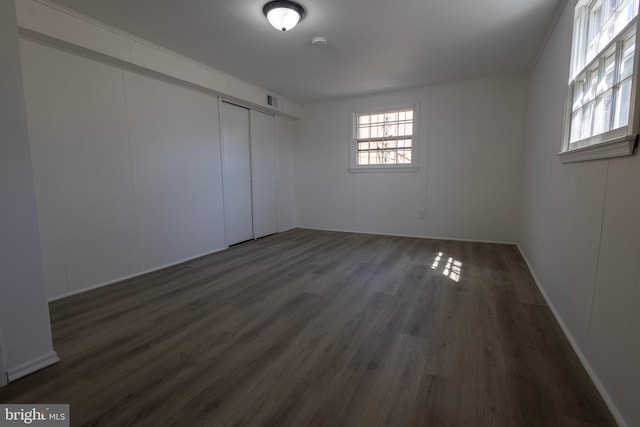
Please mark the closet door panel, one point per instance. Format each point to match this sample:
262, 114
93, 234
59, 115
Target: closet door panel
264, 177
237, 173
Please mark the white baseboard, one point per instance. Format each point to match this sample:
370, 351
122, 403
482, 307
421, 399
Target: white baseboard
576, 348
131, 276
287, 229
32, 366
407, 235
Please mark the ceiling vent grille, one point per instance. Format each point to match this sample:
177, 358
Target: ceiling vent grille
272, 101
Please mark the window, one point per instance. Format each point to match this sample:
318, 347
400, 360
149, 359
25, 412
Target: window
600, 110
384, 140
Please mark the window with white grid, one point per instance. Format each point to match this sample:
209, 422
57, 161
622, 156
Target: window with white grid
384, 139
600, 109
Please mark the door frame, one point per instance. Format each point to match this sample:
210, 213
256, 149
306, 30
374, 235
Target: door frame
4, 379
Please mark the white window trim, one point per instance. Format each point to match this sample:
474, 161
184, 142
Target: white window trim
415, 140
625, 146
615, 143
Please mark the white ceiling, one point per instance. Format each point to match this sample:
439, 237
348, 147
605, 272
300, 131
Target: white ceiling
374, 45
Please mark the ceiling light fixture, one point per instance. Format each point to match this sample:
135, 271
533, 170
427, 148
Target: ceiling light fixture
283, 15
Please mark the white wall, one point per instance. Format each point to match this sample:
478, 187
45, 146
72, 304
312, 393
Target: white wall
25, 333
127, 169
470, 150
581, 235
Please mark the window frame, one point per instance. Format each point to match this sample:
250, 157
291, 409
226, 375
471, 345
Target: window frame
353, 143
622, 141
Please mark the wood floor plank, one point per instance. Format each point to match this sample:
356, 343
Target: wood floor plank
316, 328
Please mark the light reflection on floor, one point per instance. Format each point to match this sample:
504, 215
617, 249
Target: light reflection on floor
452, 268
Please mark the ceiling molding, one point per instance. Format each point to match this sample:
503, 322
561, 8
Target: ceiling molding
547, 35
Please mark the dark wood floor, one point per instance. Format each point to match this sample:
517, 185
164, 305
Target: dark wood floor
310, 328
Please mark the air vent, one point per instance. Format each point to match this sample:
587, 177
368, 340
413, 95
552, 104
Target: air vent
272, 101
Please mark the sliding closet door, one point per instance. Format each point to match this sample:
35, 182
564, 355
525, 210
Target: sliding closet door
263, 167
237, 173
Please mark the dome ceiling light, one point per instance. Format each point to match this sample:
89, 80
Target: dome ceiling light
283, 15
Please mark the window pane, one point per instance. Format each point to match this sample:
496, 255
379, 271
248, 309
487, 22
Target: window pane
404, 156
363, 133
577, 57
591, 84
602, 114
586, 121
628, 53
363, 119
391, 130
373, 159
622, 105
576, 120
578, 93
408, 129
594, 77
595, 18
389, 157
609, 72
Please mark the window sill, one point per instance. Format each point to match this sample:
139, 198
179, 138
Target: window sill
624, 146
383, 169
